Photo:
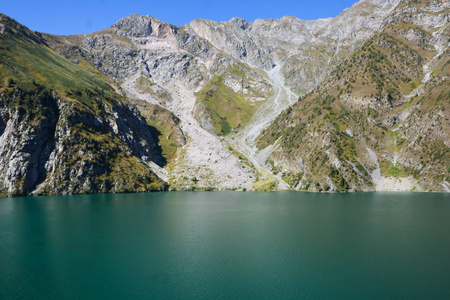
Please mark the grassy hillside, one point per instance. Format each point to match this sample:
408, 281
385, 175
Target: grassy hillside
24, 57
228, 109
374, 99
64, 115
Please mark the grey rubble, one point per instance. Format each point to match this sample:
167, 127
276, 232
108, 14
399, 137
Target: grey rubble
283, 58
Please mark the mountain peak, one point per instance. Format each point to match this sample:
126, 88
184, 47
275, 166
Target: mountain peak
136, 25
9, 23
11, 26
243, 24
371, 113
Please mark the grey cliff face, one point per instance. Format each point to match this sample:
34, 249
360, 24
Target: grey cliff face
270, 61
25, 146
46, 155
136, 26
305, 50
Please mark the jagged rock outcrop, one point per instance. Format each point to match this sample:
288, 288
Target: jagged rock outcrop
306, 50
26, 143
62, 148
358, 89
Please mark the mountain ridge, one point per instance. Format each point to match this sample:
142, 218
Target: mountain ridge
64, 130
229, 85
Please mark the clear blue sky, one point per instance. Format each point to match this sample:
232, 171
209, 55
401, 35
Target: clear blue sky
84, 16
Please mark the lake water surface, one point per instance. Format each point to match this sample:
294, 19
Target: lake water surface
216, 245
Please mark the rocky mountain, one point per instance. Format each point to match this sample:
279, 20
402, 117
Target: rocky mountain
327, 105
380, 120
64, 130
304, 50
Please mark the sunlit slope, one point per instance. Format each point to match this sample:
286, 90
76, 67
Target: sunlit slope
380, 120
63, 129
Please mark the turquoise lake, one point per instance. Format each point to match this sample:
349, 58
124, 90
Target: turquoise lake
226, 245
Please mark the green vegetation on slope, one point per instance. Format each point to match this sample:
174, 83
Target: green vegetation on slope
360, 105
93, 153
167, 133
227, 109
76, 110
25, 58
